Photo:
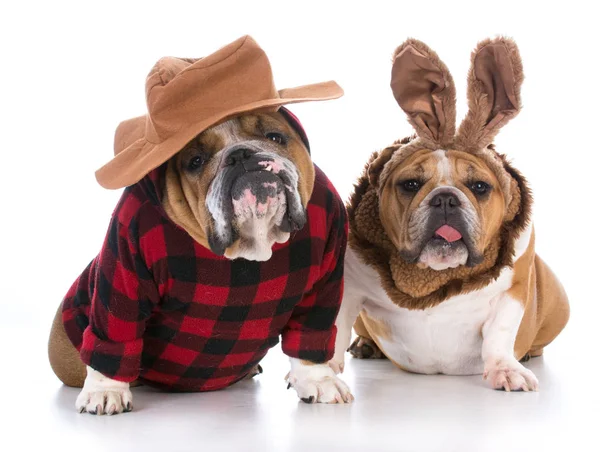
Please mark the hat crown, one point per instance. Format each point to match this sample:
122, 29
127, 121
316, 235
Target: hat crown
180, 90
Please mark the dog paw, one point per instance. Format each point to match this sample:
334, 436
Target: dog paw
510, 375
102, 395
255, 371
325, 390
104, 402
317, 383
363, 348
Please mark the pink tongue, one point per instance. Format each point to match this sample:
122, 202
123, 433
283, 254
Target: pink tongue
448, 233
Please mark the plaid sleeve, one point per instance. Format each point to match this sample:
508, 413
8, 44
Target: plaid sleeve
310, 332
124, 295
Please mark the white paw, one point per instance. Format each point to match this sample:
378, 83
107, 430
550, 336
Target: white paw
510, 375
102, 395
317, 383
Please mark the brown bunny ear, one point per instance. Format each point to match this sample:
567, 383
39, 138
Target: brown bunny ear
493, 91
424, 89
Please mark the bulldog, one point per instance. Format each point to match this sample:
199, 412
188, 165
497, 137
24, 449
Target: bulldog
213, 252
441, 271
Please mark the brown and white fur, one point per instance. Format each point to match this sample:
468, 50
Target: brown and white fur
479, 304
198, 181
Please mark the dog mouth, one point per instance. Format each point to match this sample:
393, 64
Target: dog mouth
254, 205
443, 231
446, 249
259, 195
447, 238
269, 193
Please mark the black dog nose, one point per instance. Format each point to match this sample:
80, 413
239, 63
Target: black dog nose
239, 156
445, 201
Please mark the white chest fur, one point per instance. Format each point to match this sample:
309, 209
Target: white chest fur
444, 339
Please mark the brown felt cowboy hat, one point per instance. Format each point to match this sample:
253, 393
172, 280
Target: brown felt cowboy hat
187, 96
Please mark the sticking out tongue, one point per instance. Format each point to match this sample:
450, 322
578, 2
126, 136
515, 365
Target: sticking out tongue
448, 233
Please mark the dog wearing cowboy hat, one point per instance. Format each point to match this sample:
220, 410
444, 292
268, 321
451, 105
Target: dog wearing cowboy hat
441, 270
226, 238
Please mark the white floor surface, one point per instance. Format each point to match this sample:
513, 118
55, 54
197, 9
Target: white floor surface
393, 411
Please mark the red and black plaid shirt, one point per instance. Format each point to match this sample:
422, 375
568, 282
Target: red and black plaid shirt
156, 305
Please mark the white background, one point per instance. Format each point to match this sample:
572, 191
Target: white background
69, 72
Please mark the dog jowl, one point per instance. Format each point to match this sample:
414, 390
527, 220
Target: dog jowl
255, 197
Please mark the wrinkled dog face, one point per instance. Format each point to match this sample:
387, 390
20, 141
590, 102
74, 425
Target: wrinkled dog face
442, 208
248, 181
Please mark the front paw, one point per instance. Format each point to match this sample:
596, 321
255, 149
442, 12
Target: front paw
324, 390
317, 383
104, 402
102, 395
510, 375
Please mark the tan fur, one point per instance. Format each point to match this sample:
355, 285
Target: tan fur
178, 206
492, 212
185, 196
64, 357
545, 302
364, 327
377, 328
360, 328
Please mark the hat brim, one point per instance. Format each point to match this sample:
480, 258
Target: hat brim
140, 156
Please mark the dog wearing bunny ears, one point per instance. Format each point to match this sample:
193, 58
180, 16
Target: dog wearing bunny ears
441, 270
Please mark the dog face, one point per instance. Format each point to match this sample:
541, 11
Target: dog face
441, 208
247, 182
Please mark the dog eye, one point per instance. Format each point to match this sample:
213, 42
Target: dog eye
411, 186
195, 163
276, 137
480, 188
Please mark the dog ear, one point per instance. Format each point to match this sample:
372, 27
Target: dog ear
424, 89
493, 91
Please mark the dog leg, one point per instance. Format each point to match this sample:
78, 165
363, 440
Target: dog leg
349, 310
103, 395
501, 368
64, 357
317, 383
365, 348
